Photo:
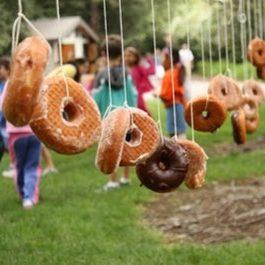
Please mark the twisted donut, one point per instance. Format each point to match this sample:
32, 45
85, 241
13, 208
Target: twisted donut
254, 90
165, 169
256, 52
208, 113
250, 107
68, 125
28, 65
195, 177
239, 126
226, 90
142, 138
114, 129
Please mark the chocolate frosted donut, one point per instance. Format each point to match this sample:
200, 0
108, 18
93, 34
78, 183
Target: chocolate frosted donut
256, 52
226, 90
239, 126
208, 113
195, 177
253, 89
165, 169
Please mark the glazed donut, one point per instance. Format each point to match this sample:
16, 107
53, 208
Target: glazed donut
208, 113
142, 138
254, 90
252, 124
226, 90
250, 107
256, 52
165, 169
68, 125
28, 65
114, 129
239, 126
195, 177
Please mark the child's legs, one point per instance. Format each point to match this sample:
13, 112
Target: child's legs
126, 172
180, 123
30, 148
170, 120
47, 157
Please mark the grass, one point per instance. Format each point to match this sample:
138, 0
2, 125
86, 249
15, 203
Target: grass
76, 223
237, 71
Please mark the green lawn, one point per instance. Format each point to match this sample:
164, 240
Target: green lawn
76, 223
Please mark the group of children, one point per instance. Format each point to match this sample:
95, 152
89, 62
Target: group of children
25, 149
137, 83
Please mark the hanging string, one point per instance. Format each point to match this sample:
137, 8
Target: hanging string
242, 21
202, 52
17, 27
233, 38
107, 55
60, 47
260, 19
123, 56
156, 65
191, 106
210, 42
255, 18
226, 40
171, 67
219, 39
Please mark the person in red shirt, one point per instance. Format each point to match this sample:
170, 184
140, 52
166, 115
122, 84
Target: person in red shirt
166, 94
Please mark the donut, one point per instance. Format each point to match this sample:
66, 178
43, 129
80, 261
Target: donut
261, 72
254, 90
142, 138
114, 129
226, 90
256, 52
68, 125
195, 177
165, 169
22, 93
239, 126
250, 107
252, 124
208, 113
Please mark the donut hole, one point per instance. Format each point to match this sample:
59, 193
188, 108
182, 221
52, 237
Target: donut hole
254, 91
133, 137
71, 112
163, 163
224, 91
205, 114
260, 52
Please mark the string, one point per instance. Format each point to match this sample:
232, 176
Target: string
242, 20
156, 65
260, 19
171, 67
210, 43
122, 54
60, 47
233, 38
255, 19
202, 52
219, 40
191, 101
107, 54
226, 39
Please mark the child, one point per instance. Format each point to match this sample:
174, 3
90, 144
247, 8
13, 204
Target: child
167, 97
101, 94
140, 74
25, 150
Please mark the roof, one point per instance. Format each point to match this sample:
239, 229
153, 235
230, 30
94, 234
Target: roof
49, 27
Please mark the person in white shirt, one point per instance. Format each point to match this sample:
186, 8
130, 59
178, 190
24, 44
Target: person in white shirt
187, 58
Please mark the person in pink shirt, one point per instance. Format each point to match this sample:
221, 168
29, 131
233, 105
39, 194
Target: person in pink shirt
140, 74
25, 151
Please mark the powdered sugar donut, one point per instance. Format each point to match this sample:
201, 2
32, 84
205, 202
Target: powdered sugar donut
250, 107
68, 125
226, 90
142, 138
28, 65
114, 129
195, 177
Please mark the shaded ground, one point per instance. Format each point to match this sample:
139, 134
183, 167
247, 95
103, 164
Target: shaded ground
214, 214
